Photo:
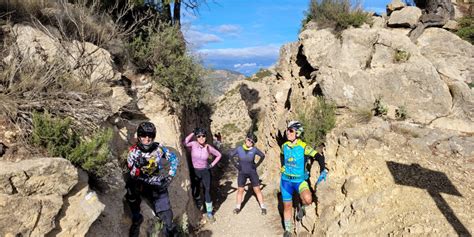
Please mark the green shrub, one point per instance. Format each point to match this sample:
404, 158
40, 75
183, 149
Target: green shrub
380, 108
93, 154
53, 134
338, 14
318, 122
401, 113
401, 56
262, 73
59, 139
466, 28
163, 52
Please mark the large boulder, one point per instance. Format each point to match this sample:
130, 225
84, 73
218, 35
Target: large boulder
87, 61
42, 196
407, 17
395, 5
364, 66
452, 56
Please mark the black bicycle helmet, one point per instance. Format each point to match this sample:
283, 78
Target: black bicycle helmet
200, 131
146, 129
251, 137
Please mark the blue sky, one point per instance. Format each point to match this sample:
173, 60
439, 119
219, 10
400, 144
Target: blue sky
246, 35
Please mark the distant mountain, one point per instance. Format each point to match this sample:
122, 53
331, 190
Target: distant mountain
218, 81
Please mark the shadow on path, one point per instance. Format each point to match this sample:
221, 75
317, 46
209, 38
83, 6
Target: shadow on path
435, 183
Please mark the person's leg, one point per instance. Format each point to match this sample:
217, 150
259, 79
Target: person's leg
287, 193
240, 197
162, 208
306, 199
133, 200
197, 188
241, 179
206, 180
255, 180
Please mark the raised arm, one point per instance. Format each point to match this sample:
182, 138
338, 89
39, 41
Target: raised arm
188, 140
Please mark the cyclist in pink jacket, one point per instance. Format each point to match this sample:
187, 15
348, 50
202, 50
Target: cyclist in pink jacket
200, 152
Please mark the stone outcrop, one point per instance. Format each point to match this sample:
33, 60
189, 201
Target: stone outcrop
88, 61
34, 191
129, 100
406, 17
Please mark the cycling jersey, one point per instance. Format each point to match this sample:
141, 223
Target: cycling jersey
138, 161
246, 163
294, 160
200, 153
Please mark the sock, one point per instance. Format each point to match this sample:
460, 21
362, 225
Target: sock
209, 207
288, 225
237, 206
262, 206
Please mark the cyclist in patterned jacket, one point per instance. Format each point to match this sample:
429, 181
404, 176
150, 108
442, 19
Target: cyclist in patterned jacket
147, 177
248, 170
294, 173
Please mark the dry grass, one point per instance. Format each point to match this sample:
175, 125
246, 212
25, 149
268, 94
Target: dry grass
28, 86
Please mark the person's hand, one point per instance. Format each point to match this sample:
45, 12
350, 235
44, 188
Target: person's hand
209, 166
322, 176
166, 181
195, 130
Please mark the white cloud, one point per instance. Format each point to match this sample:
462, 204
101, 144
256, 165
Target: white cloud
244, 65
198, 39
228, 29
249, 52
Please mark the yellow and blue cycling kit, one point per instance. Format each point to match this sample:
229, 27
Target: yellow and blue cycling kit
293, 171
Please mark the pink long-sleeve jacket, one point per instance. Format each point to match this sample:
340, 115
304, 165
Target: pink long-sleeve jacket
200, 153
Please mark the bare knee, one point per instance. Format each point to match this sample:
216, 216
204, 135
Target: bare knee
306, 197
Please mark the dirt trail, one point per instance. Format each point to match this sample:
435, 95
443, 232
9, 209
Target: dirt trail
250, 221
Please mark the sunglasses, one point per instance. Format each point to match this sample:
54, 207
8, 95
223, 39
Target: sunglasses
150, 135
250, 140
199, 136
290, 130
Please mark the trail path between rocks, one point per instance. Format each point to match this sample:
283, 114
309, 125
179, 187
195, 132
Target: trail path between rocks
250, 221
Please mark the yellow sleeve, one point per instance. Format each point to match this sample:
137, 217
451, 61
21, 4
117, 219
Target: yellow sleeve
309, 151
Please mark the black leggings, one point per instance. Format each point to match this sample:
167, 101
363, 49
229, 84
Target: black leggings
159, 200
203, 176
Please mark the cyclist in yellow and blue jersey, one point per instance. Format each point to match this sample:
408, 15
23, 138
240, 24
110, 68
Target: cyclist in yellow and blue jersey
294, 173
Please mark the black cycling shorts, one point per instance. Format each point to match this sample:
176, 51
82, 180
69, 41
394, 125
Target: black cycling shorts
242, 179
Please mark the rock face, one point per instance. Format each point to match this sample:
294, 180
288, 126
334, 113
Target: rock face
45, 48
386, 176
132, 99
33, 193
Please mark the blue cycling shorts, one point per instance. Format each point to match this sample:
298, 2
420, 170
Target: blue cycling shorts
288, 188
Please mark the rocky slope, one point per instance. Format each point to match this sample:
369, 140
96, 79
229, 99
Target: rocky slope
388, 176
219, 81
